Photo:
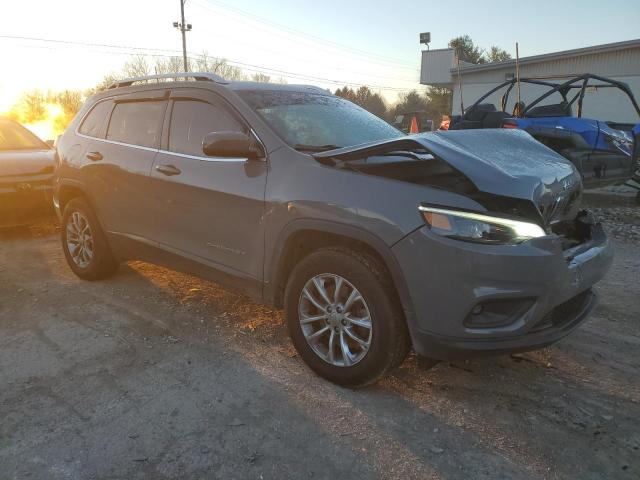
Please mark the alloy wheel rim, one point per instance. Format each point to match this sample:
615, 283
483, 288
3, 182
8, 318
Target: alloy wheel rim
335, 320
79, 239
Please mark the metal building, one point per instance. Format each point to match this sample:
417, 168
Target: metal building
620, 61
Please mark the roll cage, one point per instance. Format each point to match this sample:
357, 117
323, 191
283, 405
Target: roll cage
579, 83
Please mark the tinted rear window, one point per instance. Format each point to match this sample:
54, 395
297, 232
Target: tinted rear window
93, 123
16, 137
192, 120
137, 123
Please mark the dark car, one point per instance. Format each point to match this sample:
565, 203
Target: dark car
26, 172
453, 243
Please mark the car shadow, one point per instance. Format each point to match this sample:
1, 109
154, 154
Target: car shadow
39, 228
521, 415
158, 371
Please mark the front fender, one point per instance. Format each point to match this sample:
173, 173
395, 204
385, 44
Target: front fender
275, 261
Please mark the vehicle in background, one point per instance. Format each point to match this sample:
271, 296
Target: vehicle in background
373, 242
26, 172
413, 122
605, 152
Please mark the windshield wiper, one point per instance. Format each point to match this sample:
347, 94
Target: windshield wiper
314, 148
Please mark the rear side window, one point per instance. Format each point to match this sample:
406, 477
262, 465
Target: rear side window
93, 124
137, 123
192, 120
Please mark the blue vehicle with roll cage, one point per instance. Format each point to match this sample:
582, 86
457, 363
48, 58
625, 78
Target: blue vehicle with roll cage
605, 152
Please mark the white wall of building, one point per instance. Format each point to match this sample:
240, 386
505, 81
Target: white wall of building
604, 104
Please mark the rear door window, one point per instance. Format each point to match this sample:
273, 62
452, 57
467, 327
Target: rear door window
94, 122
192, 120
137, 123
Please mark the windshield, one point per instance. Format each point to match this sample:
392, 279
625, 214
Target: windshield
316, 122
16, 137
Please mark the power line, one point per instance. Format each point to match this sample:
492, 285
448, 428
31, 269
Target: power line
86, 44
334, 45
311, 77
305, 34
148, 49
107, 52
247, 66
316, 62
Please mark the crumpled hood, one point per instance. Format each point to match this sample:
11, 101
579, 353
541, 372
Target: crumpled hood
502, 162
18, 163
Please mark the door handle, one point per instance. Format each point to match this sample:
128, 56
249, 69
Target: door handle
94, 156
168, 170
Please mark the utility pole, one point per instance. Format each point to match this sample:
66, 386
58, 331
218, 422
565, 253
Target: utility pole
518, 79
184, 28
457, 51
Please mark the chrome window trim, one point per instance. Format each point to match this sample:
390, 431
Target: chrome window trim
114, 142
105, 140
167, 152
255, 135
89, 110
205, 159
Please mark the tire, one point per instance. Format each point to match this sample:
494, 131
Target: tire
388, 341
97, 262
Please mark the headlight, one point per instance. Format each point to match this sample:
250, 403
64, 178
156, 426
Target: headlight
475, 227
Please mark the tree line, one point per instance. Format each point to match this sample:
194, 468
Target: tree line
435, 102
60, 107
34, 106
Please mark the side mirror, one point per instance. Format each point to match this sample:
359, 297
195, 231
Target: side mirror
233, 145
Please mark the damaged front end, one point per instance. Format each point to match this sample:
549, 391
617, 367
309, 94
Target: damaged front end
512, 275
507, 172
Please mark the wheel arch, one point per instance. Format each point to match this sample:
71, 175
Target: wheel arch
302, 237
66, 192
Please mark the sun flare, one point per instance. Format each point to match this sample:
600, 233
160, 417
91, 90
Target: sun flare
51, 125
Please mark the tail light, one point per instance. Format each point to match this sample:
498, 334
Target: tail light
509, 123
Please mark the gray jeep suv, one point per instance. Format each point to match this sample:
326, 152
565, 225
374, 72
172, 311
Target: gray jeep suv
453, 243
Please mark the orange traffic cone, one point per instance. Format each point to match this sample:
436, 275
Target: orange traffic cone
414, 125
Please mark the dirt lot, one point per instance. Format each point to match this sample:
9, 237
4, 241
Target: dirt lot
155, 374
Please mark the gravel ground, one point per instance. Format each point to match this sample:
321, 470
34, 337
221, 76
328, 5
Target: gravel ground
622, 223
155, 374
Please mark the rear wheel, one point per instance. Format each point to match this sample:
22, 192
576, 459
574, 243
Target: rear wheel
343, 317
84, 243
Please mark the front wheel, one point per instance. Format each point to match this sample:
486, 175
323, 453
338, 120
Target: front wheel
343, 317
84, 243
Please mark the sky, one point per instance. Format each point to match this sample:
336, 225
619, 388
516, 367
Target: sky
327, 43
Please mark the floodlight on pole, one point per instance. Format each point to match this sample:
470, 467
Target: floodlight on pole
425, 39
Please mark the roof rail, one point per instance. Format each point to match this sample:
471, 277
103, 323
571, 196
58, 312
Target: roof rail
198, 76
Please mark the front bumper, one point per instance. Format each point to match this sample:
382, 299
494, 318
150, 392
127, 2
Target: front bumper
470, 299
